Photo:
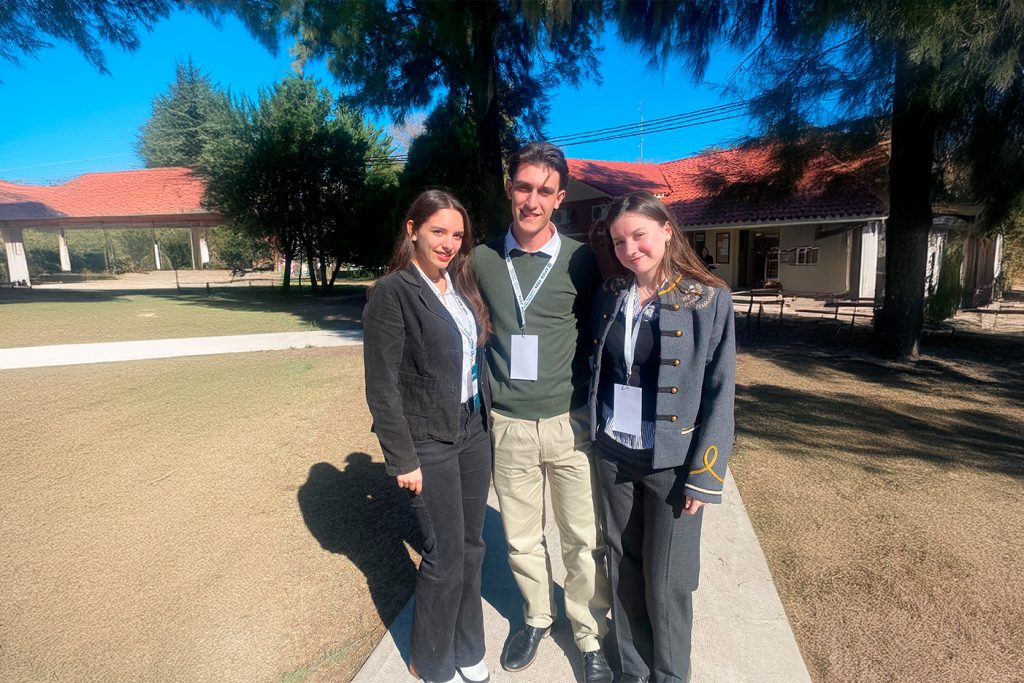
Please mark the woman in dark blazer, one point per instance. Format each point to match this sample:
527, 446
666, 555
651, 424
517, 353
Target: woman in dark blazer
662, 423
424, 327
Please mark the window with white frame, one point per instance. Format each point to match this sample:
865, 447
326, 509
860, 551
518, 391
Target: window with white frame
805, 256
801, 256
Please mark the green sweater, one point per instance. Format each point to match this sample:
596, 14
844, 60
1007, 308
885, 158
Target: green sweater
559, 315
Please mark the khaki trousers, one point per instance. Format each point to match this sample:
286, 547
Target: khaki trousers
555, 449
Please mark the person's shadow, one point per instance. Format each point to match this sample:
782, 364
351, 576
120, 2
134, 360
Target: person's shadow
500, 591
361, 513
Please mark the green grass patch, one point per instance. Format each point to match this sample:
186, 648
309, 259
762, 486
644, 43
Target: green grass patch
46, 316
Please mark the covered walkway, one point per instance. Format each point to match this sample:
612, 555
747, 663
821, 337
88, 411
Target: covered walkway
147, 198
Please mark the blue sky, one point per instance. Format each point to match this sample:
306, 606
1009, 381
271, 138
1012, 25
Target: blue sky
60, 117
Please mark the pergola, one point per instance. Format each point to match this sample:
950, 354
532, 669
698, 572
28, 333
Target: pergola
143, 199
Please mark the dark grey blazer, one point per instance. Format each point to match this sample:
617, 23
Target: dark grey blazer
412, 357
696, 382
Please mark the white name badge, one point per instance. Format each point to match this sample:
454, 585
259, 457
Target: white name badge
627, 407
524, 357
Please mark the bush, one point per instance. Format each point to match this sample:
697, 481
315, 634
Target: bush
236, 250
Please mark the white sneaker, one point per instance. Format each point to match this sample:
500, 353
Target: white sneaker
477, 673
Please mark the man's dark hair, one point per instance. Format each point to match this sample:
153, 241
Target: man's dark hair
540, 154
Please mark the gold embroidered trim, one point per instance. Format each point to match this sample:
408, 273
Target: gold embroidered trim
709, 464
672, 286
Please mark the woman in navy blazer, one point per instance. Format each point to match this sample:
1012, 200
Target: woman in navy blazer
424, 327
662, 422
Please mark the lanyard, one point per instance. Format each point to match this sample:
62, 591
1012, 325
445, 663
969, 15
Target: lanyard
466, 324
631, 330
523, 304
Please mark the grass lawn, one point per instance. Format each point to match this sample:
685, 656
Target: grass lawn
209, 519
228, 517
888, 500
51, 316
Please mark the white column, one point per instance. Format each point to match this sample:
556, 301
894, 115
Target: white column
997, 267
17, 261
197, 263
65, 260
204, 249
868, 259
156, 254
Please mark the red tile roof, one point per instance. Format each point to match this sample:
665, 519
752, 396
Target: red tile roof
619, 177
147, 192
698, 189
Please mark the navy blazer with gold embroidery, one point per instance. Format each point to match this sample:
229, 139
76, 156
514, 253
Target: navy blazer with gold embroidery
696, 380
412, 355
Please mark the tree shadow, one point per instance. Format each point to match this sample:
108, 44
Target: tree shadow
872, 434
340, 310
360, 512
965, 360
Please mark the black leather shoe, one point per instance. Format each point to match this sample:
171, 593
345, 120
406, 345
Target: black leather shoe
522, 648
595, 668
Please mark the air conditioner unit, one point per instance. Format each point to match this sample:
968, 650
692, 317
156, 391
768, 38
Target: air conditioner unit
598, 212
562, 218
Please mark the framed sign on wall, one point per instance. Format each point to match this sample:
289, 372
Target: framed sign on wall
722, 247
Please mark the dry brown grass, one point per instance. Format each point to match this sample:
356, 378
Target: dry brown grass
210, 519
887, 498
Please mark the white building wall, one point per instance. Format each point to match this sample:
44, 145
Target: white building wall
832, 272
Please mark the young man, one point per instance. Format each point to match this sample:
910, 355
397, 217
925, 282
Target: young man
538, 285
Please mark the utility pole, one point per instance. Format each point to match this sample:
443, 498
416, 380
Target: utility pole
641, 130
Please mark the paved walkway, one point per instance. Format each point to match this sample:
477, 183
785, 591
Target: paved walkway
741, 633
108, 352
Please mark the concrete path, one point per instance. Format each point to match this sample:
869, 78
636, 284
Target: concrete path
741, 633
108, 352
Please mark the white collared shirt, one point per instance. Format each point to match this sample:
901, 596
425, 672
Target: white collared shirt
548, 249
451, 301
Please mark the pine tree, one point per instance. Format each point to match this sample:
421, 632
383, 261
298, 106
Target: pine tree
186, 120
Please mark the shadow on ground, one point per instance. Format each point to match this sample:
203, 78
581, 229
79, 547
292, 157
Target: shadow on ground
500, 591
339, 310
948, 417
361, 513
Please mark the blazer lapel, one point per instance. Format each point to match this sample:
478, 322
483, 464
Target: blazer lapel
427, 297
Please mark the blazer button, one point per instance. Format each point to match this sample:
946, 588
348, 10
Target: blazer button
675, 362
675, 307
675, 390
604, 316
672, 419
597, 341
679, 333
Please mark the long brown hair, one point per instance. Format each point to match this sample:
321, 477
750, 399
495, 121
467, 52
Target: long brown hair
460, 270
680, 258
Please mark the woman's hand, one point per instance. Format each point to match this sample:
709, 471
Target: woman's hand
414, 482
691, 506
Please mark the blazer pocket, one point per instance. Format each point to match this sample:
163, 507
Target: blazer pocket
418, 393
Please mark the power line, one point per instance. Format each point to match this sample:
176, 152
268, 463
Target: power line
651, 129
731, 107
665, 124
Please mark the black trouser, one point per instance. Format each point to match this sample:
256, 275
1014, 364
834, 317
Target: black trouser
653, 549
447, 621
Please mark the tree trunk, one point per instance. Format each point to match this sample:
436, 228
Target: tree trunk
311, 264
898, 324
286, 282
487, 114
